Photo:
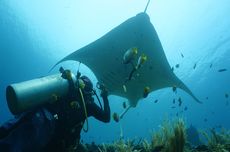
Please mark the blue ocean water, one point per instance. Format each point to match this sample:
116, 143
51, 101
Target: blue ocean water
34, 35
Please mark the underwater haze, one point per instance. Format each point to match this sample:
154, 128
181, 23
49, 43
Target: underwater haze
195, 35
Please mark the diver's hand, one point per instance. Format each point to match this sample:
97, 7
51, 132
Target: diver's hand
104, 91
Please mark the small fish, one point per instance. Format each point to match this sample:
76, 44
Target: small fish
177, 65
124, 88
182, 55
141, 60
174, 101
194, 66
174, 89
185, 108
222, 70
226, 95
173, 107
206, 98
172, 68
116, 117
210, 65
146, 91
177, 114
124, 105
205, 119
180, 101
156, 101
129, 55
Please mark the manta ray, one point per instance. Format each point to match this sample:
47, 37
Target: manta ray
104, 57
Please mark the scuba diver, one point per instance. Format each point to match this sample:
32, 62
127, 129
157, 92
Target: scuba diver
55, 126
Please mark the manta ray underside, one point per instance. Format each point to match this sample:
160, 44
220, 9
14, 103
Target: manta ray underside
105, 58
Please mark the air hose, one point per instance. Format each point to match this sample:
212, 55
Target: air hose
86, 116
83, 100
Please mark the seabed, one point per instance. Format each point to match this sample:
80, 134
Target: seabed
171, 137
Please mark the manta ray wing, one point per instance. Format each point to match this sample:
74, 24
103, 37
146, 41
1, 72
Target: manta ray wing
105, 55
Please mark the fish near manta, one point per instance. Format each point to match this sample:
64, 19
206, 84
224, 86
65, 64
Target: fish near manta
105, 58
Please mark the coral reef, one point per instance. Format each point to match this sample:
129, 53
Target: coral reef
218, 141
171, 137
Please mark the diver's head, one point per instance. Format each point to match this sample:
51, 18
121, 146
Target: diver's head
88, 89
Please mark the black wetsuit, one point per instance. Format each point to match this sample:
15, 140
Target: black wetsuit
71, 118
39, 131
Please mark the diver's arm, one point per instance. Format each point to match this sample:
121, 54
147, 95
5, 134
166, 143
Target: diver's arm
101, 114
106, 108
